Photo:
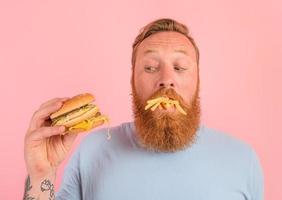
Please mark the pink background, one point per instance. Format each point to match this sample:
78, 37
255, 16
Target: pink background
61, 48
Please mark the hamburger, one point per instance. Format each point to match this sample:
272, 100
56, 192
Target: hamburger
78, 114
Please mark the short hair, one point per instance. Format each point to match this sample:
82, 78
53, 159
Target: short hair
161, 25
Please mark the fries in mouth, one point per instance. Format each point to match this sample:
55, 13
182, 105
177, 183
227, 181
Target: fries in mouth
164, 103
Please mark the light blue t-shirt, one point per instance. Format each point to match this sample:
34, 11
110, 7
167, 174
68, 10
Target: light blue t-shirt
216, 167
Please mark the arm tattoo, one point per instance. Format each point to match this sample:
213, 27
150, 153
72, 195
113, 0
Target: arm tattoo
27, 189
46, 185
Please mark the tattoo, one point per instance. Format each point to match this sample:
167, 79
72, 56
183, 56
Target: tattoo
46, 185
27, 189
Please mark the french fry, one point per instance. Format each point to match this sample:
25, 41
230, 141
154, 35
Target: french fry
148, 106
153, 102
178, 107
155, 106
168, 104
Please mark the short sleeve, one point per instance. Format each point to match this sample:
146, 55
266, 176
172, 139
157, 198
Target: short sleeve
257, 179
70, 188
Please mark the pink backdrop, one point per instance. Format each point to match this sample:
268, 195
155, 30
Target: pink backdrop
61, 48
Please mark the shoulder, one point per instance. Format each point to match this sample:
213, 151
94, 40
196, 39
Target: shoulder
234, 154
222, 139
224, 145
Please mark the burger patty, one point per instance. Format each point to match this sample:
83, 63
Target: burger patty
86, 108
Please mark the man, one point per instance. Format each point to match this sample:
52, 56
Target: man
163, 154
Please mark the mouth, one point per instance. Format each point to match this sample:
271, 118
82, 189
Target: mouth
164, 103
166, 109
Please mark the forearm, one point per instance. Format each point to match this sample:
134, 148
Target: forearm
40, 188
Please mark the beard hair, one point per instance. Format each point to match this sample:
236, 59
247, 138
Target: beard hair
166, 131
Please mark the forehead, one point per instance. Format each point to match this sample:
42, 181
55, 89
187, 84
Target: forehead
167, 41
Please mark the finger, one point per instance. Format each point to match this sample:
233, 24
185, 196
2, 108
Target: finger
68, 140
43, 114
46, 132
57, 101
53, 101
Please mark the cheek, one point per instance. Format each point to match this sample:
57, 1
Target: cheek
188, 88
144, 86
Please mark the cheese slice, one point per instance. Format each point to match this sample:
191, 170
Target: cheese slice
87, 124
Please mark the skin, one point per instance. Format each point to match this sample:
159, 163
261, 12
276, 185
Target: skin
166, 65
166, 59
45, 147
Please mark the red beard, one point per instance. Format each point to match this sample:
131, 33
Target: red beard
166, 131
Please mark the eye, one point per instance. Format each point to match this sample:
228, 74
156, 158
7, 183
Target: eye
150, 69
179, 69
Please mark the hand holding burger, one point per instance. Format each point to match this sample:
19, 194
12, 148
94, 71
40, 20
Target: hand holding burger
46, 142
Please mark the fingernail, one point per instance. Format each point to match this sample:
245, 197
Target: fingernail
59, 104
66, 98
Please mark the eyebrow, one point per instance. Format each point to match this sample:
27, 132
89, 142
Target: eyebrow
154, 51
181, 51
149, 51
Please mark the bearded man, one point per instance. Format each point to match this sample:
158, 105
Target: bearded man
165, 153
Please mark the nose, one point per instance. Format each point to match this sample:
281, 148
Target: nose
166, 84
166, 79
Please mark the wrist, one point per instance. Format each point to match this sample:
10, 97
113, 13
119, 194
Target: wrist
38, 178
37, 187
37, 173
